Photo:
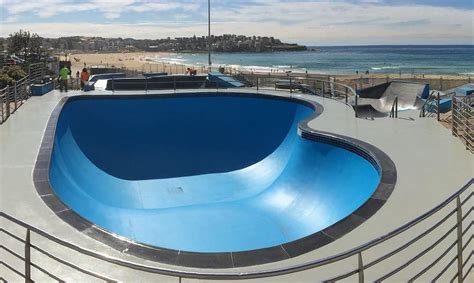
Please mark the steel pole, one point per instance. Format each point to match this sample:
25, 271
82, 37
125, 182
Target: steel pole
356, 104
459, 239
437, 107
209, 43
28, 257
361, 268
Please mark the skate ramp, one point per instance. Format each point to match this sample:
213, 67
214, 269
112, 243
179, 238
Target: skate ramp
380, 98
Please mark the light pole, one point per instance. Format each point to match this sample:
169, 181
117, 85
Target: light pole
209, 43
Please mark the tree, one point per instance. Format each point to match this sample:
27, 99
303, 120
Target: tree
19, 42
25, 44
36, 43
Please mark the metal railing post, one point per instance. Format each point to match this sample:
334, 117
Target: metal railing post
346, 96
437, 106
459, 238
2, 100
15, 95
291, 86
324, 89
453, 118
361, 268
258, 82
28, 257
396, 107
29, 72
174, 84
146, 84
469, 132
331, 86
113, 85
356, 103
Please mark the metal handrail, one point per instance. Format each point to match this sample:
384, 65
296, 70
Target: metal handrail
14, 94
463, 120
271, 272
346, 92
172, 84
394, 110
425, 104
17, 93
433, 104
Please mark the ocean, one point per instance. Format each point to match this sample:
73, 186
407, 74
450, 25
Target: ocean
448, 60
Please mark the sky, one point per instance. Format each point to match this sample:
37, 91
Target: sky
310, 22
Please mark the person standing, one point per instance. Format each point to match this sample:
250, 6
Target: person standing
63, 74
84, 78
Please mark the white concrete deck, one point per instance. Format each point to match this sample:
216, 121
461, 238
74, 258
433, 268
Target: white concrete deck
431, 165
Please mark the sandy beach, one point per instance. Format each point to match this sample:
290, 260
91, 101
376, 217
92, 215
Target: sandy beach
137, 61
142, 62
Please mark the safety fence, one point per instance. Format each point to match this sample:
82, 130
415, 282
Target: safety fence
324, 86
436, 246
14, 96
149, 67
36, 72
430, 107
463, 120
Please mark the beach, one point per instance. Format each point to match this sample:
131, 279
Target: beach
136, 61
172, 64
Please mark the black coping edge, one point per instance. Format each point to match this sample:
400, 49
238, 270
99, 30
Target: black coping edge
381, 161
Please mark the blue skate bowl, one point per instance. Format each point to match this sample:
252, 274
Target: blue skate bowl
211, 174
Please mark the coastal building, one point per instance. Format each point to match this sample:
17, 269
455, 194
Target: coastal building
223, 43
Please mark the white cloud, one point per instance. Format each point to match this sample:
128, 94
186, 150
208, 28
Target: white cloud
147, 7
311, 22
11, 19
111, 9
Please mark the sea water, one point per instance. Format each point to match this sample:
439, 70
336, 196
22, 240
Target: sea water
449, 60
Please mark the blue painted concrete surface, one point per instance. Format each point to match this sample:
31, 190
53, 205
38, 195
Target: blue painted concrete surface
203, 174
223, 80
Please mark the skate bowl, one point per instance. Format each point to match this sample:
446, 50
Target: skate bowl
199, 179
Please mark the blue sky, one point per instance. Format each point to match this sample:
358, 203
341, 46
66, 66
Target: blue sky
319, 22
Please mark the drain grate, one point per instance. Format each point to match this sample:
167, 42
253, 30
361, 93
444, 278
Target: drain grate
175, 190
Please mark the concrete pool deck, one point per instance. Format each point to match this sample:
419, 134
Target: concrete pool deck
431, 165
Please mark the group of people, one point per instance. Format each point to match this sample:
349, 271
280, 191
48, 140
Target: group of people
191, 72
65, 72
366, 72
